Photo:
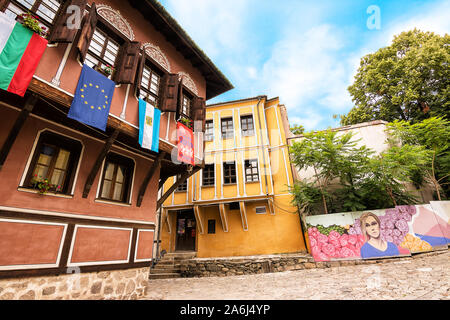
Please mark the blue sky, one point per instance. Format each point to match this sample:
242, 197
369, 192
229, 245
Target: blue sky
305, 52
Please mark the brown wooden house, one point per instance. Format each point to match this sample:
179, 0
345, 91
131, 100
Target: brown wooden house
101, 213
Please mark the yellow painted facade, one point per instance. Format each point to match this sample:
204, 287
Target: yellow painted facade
250, 218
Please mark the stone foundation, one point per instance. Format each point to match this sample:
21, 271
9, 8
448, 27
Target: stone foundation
106, 285
222, 267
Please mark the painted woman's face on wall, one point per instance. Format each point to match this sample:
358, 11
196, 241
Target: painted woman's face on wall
372, 227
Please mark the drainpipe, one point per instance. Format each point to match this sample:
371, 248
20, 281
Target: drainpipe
155, 261
262, 144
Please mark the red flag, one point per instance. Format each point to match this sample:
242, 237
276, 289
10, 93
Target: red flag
185, 144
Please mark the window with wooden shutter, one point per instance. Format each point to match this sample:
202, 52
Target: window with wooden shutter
61, 32
128, 63
89, 25
169, 93
103, 51
45, 10
149, 80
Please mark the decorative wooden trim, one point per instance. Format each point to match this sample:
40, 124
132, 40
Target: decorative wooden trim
188, 82
156, 166
15, 130
157, 55
116, 19
98, 163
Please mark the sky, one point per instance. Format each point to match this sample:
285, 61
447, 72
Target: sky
305, 52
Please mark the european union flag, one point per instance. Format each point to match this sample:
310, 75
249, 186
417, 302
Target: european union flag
92, 99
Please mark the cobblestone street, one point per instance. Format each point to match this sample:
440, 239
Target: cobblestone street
421, 277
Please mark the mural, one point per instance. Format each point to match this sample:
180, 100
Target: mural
393, 232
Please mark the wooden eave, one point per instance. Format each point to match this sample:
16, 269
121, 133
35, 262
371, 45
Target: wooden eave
154, 12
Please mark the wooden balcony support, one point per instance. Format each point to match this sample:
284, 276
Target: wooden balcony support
198, 218
17, 127
98, 163
243, 215
156, 166
223, 217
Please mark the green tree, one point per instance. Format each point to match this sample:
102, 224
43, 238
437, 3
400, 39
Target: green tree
331, 157
434, 135
408, 80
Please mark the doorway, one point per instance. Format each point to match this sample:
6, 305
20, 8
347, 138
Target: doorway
186, 231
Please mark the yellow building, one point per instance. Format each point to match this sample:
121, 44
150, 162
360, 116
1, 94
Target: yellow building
239, 204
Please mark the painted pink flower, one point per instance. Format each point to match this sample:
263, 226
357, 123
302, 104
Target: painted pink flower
352, 231
322, 257
322, 238
343, 240
361, 239
336, 243
311, 231
396, 233
315, 251
387, 232
312, 242
334, 235
329, 250
346, 252
412, 210
389, 224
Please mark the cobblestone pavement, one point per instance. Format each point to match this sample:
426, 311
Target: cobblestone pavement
422, 278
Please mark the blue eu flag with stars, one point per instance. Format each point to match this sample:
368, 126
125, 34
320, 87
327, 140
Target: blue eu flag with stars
92, 99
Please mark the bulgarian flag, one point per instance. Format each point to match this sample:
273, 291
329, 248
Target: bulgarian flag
20, 52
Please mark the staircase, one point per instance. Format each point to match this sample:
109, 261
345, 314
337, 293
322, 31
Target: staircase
170, 265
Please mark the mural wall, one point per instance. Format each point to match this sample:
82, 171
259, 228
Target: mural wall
399, 231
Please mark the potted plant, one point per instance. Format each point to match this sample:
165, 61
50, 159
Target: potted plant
108, 70
187, 122
32, 22
44, 185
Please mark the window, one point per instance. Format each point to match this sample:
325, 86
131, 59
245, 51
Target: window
261, 210
103, 50
46, 10
116, 178
182, 187
211, 226
209, 130
227, 128
229, 172
186, 106
251, 171
208, 175
150, 84
247, 126
55, 159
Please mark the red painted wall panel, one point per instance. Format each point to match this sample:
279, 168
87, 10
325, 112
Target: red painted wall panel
26, 243
145, 245
98, 244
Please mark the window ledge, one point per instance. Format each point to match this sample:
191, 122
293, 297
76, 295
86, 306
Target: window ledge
52, 194
247, 182
208, 186
113, 203
230, 184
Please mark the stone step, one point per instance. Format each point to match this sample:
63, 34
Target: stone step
163, 276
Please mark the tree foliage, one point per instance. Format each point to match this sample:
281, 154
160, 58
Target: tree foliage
408, 80
434, 135
297, 129
347, 177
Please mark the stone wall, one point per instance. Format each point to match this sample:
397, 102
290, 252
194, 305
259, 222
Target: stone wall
106, 285
221, 267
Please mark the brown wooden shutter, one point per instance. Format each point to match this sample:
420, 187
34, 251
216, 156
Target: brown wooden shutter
3, 4
90, 22
199, 111
60, 31
128, 63
139, 73
169, 93
180, 99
